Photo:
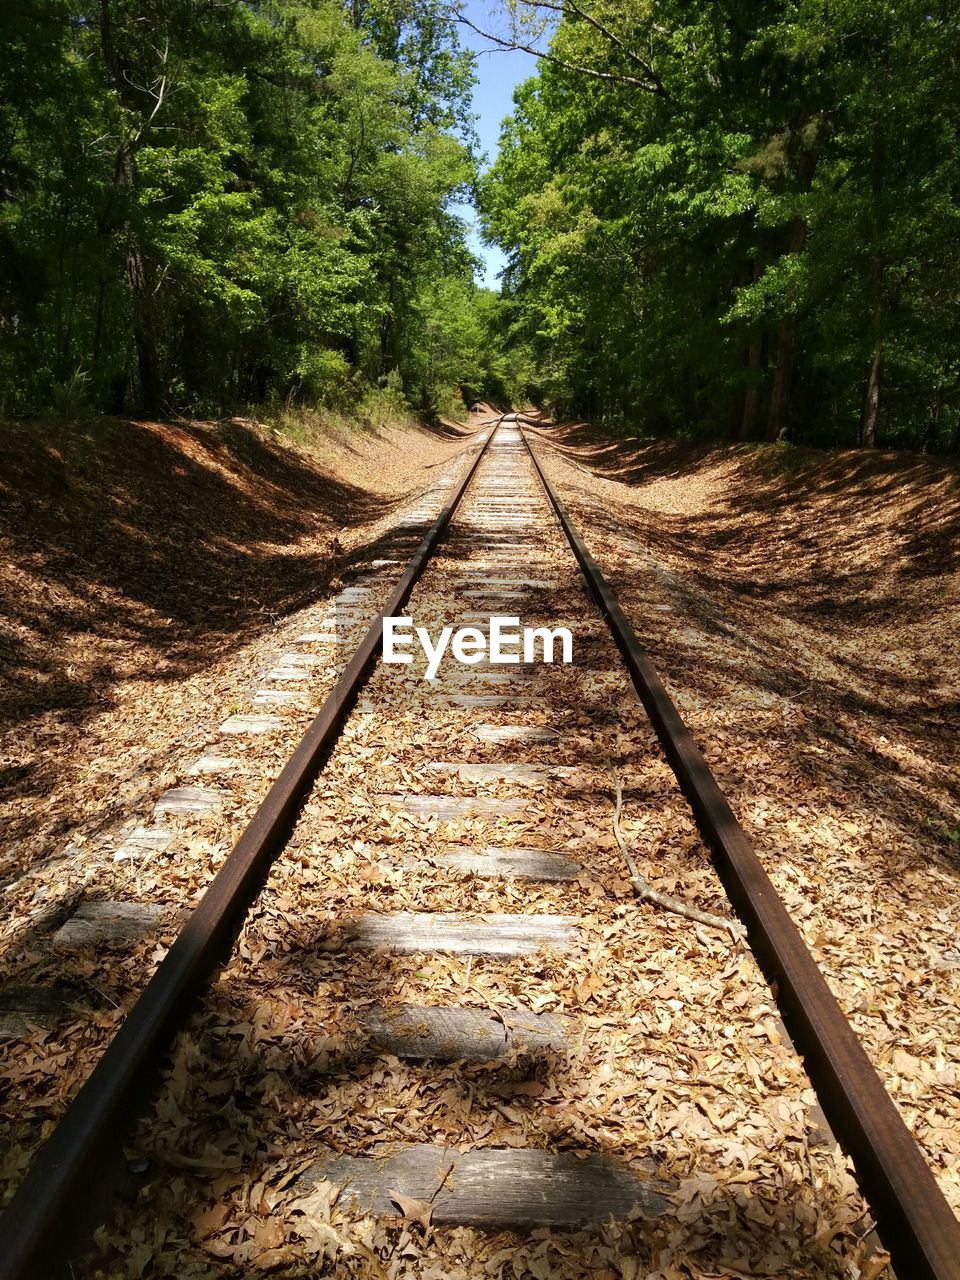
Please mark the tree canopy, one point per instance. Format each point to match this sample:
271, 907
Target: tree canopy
740, 218
732, 218
204, 205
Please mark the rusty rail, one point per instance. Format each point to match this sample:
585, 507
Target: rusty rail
914, 1220
69, 1185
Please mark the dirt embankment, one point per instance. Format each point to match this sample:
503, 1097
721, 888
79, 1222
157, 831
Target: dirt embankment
859, 551
136, 558
804, 610
823, 588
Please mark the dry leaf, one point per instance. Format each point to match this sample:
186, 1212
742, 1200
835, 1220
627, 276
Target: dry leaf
412, 1209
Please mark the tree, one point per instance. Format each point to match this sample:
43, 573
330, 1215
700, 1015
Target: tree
210, 205
747, 217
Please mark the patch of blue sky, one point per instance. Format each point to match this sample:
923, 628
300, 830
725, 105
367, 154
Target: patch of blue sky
499, 71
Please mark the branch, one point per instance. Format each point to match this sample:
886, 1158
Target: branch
157, 91
612, 76
646, 893
571, 10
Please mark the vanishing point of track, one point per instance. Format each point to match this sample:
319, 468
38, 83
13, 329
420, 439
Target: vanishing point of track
515, 511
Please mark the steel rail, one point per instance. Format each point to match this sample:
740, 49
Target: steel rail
52, 1210
914, 1220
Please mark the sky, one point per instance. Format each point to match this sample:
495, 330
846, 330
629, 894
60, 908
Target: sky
499, 71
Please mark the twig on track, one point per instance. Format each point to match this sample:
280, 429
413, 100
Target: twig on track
646, 891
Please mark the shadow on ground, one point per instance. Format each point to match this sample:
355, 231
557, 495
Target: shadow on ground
145, 551
252, 1098
840, 519
174, 536
829, 580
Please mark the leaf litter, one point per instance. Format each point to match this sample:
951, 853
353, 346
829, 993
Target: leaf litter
675, 1063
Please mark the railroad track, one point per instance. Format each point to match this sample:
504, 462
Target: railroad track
431, 870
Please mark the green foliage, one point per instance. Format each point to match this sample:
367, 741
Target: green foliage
325, 377
944, 829
744, 222
385, 403
211, 205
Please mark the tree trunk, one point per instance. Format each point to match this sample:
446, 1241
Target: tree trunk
778, 423
152, 390
136, 267
871, 401
383, 361
751, 395
932, 434
871, 396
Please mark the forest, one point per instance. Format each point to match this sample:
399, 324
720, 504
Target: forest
741, 219
212, 205
721, 220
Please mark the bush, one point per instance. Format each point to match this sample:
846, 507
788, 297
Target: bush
71, 398
325, 378
385, 403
